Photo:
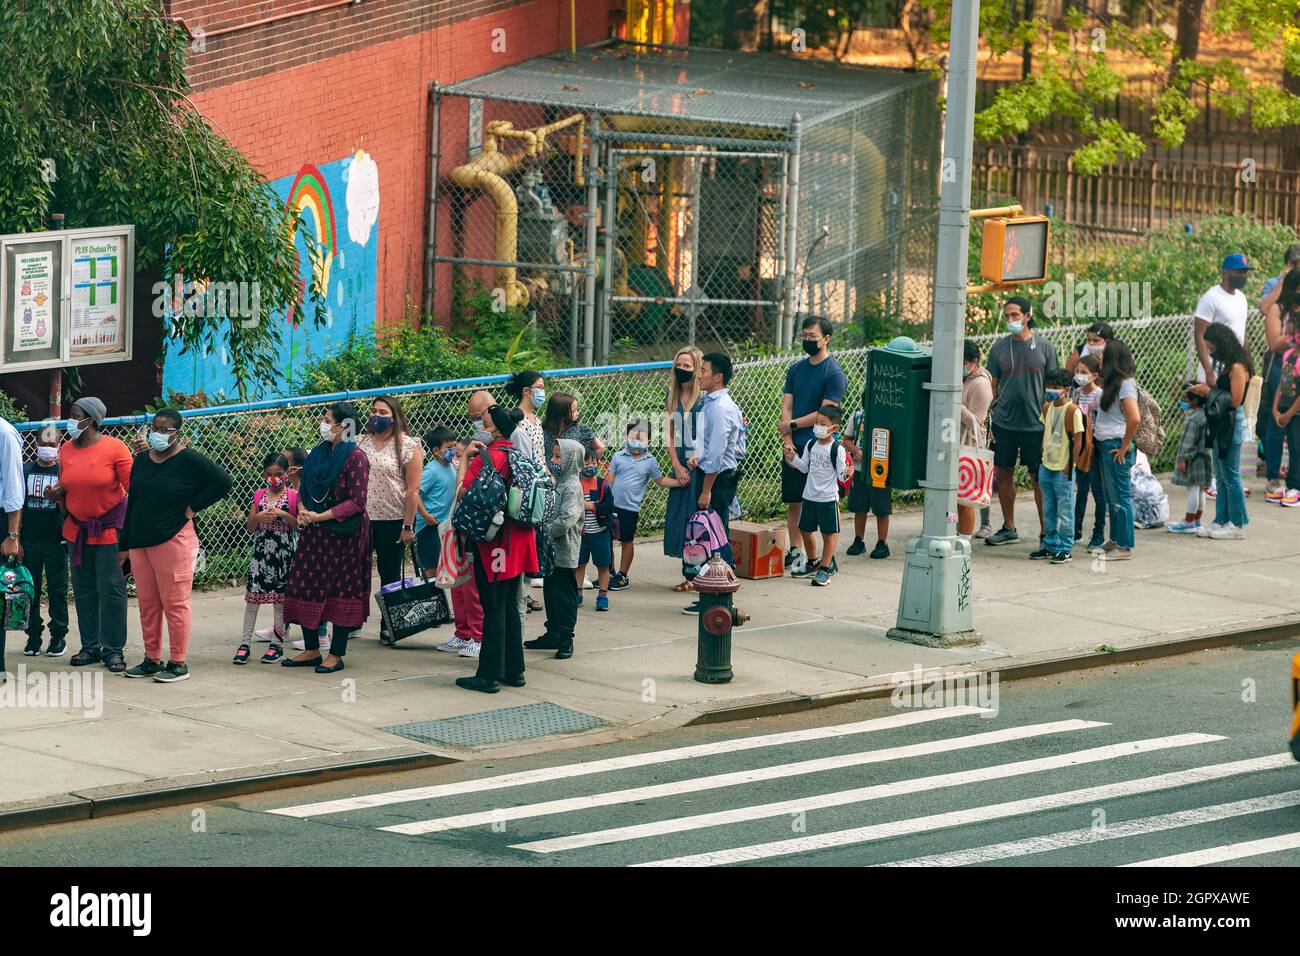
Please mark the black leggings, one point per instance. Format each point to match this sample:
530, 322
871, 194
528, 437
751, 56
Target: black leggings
386, 543
502, 652
338, 640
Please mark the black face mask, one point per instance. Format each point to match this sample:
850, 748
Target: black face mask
811, 347
683, 375
1237, 282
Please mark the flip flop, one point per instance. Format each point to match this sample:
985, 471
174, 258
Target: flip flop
683, 586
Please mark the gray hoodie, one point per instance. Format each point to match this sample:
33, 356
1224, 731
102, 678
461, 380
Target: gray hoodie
566, 529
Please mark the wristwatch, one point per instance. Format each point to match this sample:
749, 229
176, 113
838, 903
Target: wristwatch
13, 535
407, 527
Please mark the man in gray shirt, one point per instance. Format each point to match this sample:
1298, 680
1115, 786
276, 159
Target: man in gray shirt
1018, 363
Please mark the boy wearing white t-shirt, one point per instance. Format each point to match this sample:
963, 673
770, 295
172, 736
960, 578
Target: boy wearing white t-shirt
821, 491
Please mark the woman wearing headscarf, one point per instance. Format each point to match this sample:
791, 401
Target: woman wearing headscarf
95, 473
329, 579
682, 410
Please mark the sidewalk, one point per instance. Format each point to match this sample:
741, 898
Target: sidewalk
633, 667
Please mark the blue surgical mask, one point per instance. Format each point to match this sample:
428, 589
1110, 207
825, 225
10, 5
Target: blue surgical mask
74, 429
1053, 394
589, 471
449, 456
539, 397
555, 467
1184, 404
635, 446
1015, 328
159, 442
484, 436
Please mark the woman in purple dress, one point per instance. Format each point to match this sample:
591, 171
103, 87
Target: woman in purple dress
330, 576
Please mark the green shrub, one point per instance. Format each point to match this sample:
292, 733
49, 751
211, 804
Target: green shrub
9, 410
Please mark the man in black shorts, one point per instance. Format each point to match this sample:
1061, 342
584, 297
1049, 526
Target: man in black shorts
1018, 363
811, 383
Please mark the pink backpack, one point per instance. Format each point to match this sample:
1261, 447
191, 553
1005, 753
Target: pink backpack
704, 537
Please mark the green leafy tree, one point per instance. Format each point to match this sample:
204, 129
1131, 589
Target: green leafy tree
96, 123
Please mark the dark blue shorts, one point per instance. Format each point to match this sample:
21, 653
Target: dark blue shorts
428, 547
598, 548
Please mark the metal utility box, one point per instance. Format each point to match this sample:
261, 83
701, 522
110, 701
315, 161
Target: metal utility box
897, 402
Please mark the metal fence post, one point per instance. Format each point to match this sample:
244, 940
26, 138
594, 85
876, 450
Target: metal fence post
592, 214
786, 332
611, 217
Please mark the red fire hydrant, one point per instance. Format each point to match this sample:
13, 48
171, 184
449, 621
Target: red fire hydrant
716, 584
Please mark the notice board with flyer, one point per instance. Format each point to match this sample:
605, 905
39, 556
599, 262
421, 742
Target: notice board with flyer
65, 297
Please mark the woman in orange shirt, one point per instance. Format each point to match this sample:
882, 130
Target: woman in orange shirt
95, 474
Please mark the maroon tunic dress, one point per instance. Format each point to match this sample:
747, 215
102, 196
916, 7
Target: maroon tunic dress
329, 579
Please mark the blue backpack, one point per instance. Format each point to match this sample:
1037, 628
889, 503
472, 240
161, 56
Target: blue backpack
480, 513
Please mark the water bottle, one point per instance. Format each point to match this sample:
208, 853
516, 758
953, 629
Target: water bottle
498, 520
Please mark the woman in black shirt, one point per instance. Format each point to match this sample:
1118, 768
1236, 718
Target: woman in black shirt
169, 485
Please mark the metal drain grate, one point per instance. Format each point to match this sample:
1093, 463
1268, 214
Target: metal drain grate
498, 726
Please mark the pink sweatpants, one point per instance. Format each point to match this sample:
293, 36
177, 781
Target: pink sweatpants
164, 577
468, 611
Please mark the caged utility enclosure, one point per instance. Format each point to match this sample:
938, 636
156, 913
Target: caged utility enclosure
652, 196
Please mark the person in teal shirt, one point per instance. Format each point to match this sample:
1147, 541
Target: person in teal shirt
437, 491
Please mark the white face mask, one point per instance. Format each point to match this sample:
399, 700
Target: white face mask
821, 431
1082, 379
326, 431
47, 454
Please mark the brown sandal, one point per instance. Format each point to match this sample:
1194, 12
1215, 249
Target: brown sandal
684, 586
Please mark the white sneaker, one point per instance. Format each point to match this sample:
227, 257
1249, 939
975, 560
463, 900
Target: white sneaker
470, 649
1227, 532
264, 634
324, 642
452, 644
1207, 530
1291, 499
536, 582
586, 584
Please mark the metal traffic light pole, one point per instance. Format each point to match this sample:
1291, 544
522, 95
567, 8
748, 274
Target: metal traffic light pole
935, 603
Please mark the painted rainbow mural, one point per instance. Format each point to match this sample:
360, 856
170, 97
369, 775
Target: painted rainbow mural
310, 194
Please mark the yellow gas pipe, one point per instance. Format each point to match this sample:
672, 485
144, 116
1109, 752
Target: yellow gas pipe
486, 173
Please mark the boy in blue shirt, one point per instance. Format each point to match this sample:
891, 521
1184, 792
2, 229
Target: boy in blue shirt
629, 472
437, 489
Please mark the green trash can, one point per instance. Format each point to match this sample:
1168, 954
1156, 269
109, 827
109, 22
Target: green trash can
896, 400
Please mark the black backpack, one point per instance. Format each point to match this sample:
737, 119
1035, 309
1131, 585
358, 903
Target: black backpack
475, 515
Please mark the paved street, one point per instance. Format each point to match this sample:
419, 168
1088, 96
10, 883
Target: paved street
1181, 761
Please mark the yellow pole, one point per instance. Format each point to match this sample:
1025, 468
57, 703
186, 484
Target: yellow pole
573, 28
996, 211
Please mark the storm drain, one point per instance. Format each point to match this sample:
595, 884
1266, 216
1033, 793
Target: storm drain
498, 726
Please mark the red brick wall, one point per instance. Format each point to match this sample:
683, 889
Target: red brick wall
370, 96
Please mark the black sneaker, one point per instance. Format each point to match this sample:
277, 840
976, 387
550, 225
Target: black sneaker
1041, 554
1062, 557
692, 608
809, 571
146, 668
857, 547
56, 647
1004, 536
33, 648
881, 550
172, 673
618, 581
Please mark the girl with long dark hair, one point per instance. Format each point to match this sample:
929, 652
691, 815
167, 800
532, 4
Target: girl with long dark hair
1114, 431
1233, 370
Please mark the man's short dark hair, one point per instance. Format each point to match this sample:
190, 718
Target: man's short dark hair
439, 435
1058, 378
1020, 300
823, 324
719, 362
970, 351
832, 413
1292, 253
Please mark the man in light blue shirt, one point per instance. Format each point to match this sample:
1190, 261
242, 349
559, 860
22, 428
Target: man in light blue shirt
13, 486
719, 446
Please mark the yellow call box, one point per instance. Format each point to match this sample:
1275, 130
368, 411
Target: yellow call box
879, 457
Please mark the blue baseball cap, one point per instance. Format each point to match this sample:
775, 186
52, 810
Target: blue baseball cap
1235, 261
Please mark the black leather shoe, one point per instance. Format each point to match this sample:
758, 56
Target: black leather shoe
543, 643
564, 651
514, 681
322, 669
294, 662
479, 684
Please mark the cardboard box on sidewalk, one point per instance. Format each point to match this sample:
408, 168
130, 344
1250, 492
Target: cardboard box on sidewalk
759, 549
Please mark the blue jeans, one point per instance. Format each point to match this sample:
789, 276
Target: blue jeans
1119, 491
1230, 500
1058, 509
1271, 444
1085, 482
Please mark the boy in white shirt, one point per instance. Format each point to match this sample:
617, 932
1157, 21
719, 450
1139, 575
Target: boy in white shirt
826, 463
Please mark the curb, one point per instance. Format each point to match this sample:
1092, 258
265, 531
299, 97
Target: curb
1012, 671
85, 807
81, 807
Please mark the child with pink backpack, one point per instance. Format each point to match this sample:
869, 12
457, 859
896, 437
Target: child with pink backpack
273, 520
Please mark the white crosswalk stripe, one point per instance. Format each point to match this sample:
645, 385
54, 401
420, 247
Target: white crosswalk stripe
1112, 831
864, 794
716, 781
631, 761
999, 811
1223, 854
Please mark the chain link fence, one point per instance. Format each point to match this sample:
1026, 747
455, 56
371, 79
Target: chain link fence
238, 438
632, 197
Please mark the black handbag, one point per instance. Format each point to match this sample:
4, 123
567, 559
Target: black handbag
408, 607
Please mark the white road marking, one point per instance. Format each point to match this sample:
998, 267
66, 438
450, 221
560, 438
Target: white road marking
1232, 851
1112, 831
566, 771
738, 778
997, 811
863, 794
